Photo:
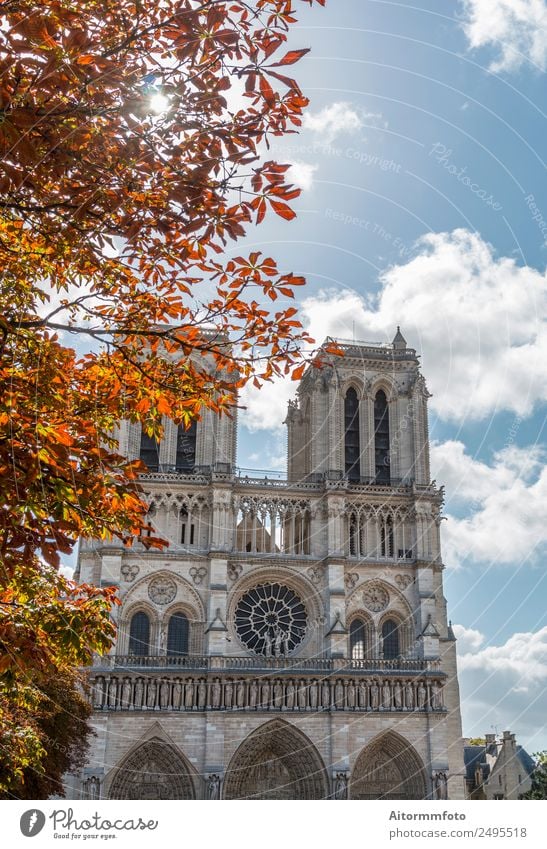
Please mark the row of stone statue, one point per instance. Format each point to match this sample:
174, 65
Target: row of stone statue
124, 693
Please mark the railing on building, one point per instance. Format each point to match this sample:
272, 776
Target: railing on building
283, 664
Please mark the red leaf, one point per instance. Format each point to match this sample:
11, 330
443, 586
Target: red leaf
290, 58
283, 210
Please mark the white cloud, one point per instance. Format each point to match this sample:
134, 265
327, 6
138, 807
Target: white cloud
301, 173
515, 29
506, 500
469, 639
339, 118
478, 322
503, 686
265, 408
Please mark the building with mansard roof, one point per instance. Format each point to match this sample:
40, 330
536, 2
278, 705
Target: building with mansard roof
292, 641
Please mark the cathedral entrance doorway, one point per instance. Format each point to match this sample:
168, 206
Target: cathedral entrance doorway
276, 761
153, 771
389, 768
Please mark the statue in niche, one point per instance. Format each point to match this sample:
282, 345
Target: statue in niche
278, 694
112, 693
164, 693
290, 695
253, 694
266, 690
215, 693
302, 700
409, 696
339, 695
341, 786
363, 695
92, 787
313, 694
126, 693
240, 694
350, 695
98, 692
441, 785
325, 695
202, 694
267, 645
422, 695
151, 694
177, 694
386, 696
398, 695
436, 696
228, 694
189, 690
139, 693
374, 696
213, 787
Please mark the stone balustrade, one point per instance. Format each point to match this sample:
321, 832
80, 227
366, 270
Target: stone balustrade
111, 692
258, 662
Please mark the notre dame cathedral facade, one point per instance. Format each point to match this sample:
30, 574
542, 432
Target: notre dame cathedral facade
292, 641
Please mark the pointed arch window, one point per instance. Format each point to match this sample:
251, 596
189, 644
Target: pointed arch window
177, 635
149, 452
187, 527
390, 639
185, 459
357, 639
139, 634
381, 437
351, 431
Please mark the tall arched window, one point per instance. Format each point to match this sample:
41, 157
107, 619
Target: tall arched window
149, 452
357, 639
186, 448
390, 639
139, 634
351, 429
381, 437
177, 635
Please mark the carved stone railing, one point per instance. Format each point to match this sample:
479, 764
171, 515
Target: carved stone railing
226, 663
135, 691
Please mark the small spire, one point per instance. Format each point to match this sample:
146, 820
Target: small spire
399, 341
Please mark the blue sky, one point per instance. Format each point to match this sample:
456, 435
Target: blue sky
425, 206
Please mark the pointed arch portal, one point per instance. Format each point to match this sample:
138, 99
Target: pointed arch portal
388, 768
276, 761
155, 770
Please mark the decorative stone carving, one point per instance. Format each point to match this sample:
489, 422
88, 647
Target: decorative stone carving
351, 579
440, 783
329, 694
341, 785
317, 574
234, 571
92, 787
213, 787
129, 571
162, 590
375, 598
198, 573
403, 581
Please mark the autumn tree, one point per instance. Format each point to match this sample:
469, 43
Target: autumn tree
134, 143
538, 789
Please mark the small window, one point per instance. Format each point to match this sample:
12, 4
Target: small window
357, 639
390, 639
149, 452
139, 634
186, 448
351, 428
381, 437
177, 635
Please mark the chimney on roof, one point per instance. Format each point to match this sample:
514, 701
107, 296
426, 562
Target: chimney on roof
399, 341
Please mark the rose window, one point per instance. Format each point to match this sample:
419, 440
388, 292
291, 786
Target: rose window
271, 620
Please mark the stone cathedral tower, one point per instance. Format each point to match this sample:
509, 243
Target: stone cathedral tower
292, 642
